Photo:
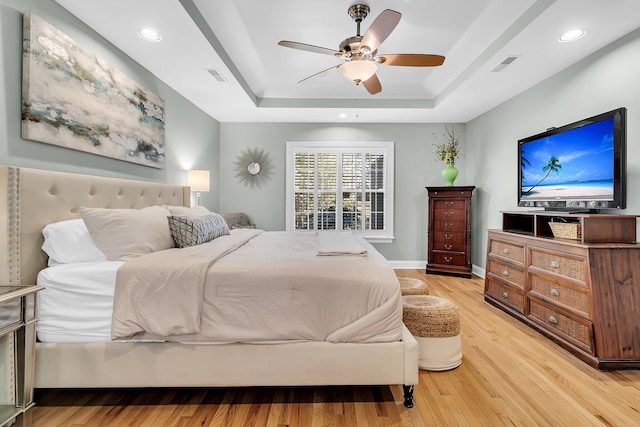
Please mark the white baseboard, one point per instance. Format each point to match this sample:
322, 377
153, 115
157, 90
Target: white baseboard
478, 271
412, 265
408, 265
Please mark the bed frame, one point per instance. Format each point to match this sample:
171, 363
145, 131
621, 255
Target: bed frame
30, 199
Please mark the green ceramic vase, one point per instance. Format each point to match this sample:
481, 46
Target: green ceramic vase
449, 174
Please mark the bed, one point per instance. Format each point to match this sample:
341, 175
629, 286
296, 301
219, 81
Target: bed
31, 199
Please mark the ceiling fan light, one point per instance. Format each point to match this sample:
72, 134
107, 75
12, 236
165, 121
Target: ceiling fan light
358, 70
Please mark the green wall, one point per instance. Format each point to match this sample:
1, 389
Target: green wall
191, 136
608, 79
415, 168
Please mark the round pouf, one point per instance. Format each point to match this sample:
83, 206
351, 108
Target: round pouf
435, 324
411, 286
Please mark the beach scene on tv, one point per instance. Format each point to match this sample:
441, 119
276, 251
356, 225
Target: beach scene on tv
577, 164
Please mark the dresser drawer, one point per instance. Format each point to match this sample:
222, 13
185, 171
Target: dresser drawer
448, 205
504, 293
580, 333
450, 258
573, 299
559, 263
449, 215
449, 237
450, 246
512, 251
509, 273
450, 225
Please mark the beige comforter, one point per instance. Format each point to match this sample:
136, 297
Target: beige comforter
254, 286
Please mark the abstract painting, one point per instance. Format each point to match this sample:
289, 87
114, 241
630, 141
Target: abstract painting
73, 99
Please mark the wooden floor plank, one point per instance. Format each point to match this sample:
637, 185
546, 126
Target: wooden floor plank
510, 376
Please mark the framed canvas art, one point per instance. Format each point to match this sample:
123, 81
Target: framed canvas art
73, 99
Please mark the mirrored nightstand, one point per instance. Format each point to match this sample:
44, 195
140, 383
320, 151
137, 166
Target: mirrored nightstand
17, 352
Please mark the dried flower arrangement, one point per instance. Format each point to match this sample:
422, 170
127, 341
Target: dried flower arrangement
449, 150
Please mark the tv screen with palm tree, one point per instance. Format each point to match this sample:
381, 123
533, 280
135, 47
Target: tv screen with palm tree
577, 166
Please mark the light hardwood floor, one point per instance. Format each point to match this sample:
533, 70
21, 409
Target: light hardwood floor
510, 375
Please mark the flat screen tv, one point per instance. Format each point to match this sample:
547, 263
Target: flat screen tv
577, 167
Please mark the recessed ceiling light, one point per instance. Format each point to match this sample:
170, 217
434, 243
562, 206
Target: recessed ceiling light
149, 35
572, 35
343, 116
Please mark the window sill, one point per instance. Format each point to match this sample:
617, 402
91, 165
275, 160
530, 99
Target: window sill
379, 239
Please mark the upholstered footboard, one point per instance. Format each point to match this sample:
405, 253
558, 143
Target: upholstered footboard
124, 364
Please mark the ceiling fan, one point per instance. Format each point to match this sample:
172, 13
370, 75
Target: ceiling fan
360, 52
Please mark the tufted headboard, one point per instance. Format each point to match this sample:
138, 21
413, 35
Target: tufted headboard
32, 198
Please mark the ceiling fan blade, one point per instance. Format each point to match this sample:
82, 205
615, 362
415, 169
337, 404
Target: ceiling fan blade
309, 48
372, 84
410, 60
319, 72
380, 29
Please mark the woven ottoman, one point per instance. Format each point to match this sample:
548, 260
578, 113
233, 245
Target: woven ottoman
411, 286
435, 324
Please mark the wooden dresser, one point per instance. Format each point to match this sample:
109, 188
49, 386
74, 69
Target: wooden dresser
582, 293
449, 238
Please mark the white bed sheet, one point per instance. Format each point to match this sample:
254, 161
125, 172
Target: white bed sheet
77, 302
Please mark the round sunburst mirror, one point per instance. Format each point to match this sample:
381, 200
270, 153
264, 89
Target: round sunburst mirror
253, 167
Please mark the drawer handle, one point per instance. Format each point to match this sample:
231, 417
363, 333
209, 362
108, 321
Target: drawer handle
505, 273
555, 292
553, 320
448, 236
554, 264
505, 294
505, 251
448, 247
447, 213
448, 258
448, 203
448, 224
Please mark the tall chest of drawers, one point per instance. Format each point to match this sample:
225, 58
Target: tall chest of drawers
449, 238
582, 293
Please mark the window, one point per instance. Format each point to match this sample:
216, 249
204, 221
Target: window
341, 186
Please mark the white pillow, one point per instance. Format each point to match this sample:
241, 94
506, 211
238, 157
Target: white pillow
68, 242
194, 212
128, 233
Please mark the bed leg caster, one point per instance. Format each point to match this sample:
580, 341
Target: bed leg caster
408, 396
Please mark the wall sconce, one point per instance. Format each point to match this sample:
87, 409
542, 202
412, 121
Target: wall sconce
198, 180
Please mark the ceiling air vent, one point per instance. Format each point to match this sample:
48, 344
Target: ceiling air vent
216, 74
507, 61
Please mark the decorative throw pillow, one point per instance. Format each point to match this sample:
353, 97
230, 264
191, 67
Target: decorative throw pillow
128, 233
195, 231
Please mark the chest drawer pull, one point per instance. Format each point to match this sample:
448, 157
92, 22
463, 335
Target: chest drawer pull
448, 236
553, 320
448, 224
448, 247
554, 292
505, 251
448, 258
505, 273
505, 294
448, 213
554, 264
448, 203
